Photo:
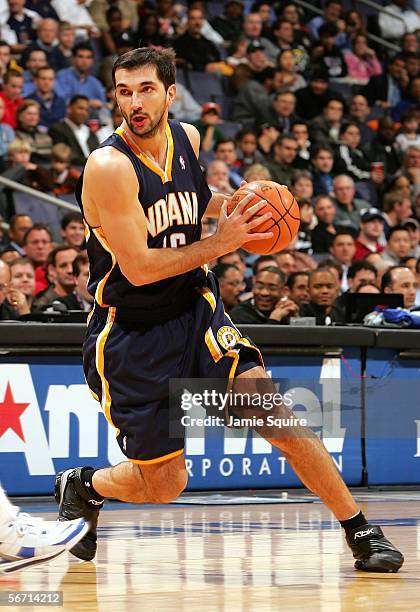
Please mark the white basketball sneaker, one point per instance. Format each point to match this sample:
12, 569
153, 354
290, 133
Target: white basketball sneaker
27, 540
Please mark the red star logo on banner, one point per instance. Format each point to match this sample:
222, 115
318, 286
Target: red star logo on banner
10, 412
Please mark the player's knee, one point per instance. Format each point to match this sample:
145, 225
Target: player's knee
165, 490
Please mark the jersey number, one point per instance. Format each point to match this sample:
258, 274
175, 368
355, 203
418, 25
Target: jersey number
175, 240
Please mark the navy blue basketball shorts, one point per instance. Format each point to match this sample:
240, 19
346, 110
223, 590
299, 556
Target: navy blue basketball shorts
128, 368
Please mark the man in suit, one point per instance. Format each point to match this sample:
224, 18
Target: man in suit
74, 132
385, 90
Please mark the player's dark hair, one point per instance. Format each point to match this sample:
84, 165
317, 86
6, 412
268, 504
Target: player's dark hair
291, 279
69, 218
162, 59
361, 265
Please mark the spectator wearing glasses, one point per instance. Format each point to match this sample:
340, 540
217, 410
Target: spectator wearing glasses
270, 303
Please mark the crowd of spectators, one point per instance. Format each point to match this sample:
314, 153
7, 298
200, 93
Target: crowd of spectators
310, 101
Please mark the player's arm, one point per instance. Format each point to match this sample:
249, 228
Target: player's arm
215, 203
110, 188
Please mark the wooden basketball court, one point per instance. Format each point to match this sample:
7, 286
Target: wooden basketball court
262, 557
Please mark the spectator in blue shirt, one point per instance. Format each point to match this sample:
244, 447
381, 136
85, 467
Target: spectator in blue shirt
77, 80
332, 14
53, 107
322, 158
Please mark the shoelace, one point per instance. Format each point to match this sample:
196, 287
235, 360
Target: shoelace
25, 523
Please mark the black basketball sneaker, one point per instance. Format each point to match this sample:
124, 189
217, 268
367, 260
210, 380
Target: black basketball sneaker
372, 551
74, 502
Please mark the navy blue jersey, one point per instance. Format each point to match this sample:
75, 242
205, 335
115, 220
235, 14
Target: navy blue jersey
173, 201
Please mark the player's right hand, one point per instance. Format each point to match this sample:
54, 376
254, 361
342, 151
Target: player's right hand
236, 229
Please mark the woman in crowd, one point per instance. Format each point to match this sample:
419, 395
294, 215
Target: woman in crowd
289, 78
28, 116
361, 61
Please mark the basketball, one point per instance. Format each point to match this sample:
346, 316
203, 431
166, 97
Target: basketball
285, 220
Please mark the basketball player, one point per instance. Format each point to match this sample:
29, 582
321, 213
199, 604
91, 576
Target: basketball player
158, 314
27, 540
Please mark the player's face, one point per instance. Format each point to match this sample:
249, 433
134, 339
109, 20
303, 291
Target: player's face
143, 100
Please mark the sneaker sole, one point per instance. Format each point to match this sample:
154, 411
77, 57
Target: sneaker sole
11, 566
7, 566
59, 488
377, 563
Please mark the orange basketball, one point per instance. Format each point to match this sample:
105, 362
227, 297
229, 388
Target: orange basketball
285, 219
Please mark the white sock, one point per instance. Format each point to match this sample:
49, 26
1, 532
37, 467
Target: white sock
8, 512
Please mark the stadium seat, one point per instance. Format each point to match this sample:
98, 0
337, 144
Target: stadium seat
40, 212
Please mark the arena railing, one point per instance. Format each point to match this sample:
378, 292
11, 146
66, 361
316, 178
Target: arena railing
377, 39
45, 197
